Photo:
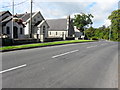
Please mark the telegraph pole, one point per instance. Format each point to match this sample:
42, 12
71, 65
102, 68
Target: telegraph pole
110, 33
31, 20
12, 19
84, 34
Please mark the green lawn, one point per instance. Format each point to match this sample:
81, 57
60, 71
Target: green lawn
42, 44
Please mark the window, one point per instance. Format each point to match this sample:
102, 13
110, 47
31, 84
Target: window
35, 19
50, 33
7, 30
15, 32
56, 33
21, 31
43, 29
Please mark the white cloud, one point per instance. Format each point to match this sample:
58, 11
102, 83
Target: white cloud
107, 22
102, 10
62, 8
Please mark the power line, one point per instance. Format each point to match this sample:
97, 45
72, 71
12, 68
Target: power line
37, 5
15, 4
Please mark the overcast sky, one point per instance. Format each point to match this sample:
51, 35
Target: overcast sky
100, 9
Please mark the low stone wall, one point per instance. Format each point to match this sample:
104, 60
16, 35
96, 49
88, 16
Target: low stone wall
5, 42
24, 41
70, 38
10, 42
53, 39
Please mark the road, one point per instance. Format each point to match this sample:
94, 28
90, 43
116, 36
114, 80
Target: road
80, 65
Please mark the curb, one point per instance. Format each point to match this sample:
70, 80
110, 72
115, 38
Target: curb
39, 46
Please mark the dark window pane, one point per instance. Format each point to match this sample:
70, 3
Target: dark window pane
8, 30
21, 31
43, 29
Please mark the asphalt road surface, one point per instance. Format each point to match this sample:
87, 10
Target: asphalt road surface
80, 65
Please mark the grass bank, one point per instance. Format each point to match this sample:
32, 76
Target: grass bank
42, 44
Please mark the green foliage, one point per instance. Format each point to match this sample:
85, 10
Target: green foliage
82, 20
115, 25
98, 33
90, 32
103, 32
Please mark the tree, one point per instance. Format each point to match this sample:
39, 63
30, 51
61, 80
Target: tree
115, 25
90, 32
103, 27
82, 20
98, 33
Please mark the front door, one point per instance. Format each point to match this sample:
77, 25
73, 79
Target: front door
15, 32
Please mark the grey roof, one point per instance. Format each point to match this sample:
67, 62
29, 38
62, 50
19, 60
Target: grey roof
19, 15
3, 12
7, 19
57, 24
25, 16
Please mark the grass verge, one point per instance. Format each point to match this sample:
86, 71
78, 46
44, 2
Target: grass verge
42, 44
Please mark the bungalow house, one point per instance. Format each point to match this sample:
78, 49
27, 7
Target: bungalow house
39, 26
62, 28
6, 22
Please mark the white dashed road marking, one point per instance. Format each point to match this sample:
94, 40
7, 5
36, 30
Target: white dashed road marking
64, 54
92, 46
14, 68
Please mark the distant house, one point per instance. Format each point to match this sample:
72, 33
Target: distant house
78, 34
61, 28
6, 23
39, 25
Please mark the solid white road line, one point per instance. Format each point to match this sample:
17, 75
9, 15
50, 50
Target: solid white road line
64, 53
14, 68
